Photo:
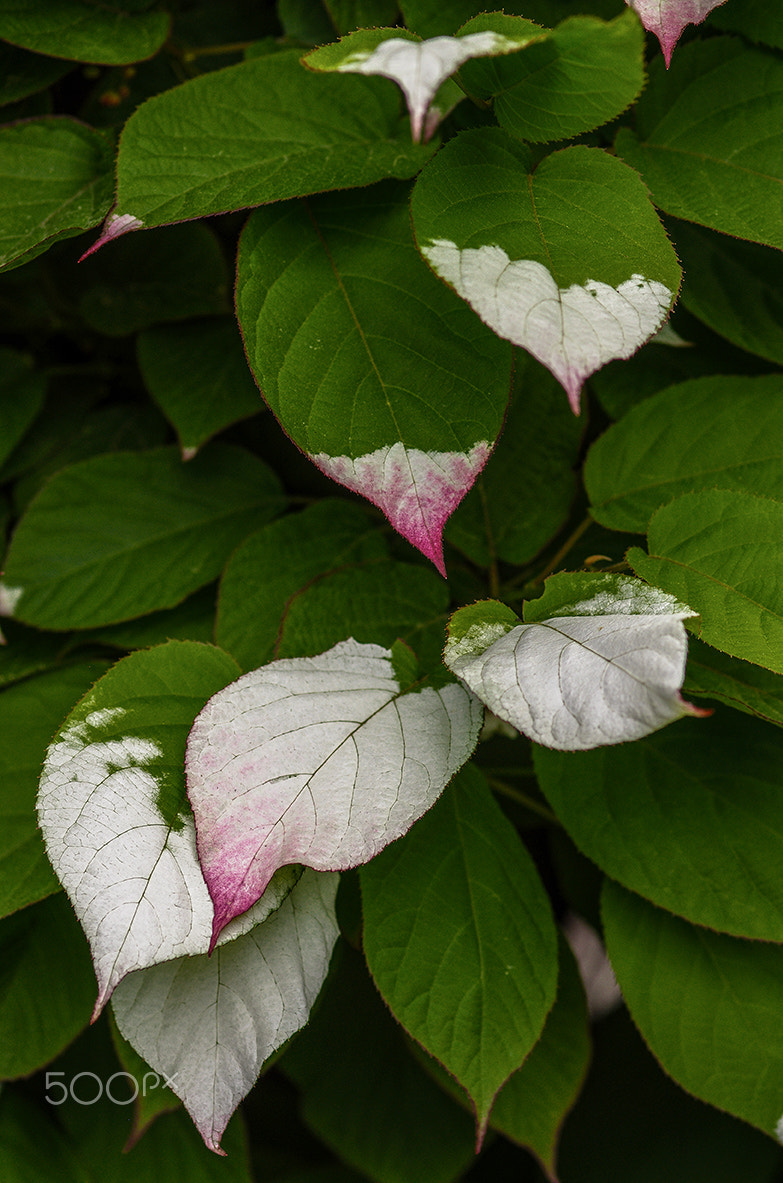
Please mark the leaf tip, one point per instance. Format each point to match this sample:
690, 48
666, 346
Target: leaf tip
114, 227
9, 598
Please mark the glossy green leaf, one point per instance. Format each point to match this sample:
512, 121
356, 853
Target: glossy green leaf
586, 72
364, 1094
707, 1005
711, 433
533, 1103
708, 790
298, 133
386, 381
56, 182
198, 376
475, 994
165, 276
23, 74
734, 287
703, 141
120, 535
47, 985
275, 566
722, 552
506, 516
566, 258
22, 391
750, 688
84, 30
31, 712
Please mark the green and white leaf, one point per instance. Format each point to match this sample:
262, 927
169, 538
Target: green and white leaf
566, 259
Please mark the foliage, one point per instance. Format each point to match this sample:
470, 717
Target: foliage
339, 721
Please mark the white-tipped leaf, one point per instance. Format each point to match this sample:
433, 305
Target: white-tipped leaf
321, 761
667, 18
579, 682
208, 1024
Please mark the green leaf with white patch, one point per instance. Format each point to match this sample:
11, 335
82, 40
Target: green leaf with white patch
298, 133
566, 259
388, 384
707, 1005
420, 67
722, 551
702, 140
709, 792
83, 553
721, 432
57, 182
475, 995
317, 760
210, 1023
602, 671
584, 73
115, 819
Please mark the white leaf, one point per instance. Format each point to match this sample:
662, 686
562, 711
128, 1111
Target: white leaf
209, 1023
572, 331
321, 761
667, 18
419, 67
579, 682
133, 879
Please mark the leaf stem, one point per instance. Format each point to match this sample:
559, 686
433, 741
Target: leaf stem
500, 786
569, 543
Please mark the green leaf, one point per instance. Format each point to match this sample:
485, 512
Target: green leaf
710, 433
739, 684
756, 19
192, 620
459, 938
24, 652
707, 1005
23, 74
734, 287
32, 1149
708, 791
120, 535
722, 552
357, 14
84, 30
364, 1094
277, 564
586, 72
376, 372
56, 175
31, 712
531, 1106
46, 985
154, 1096
298, 133
170, 275
429, 18
703, 140
22, 391
567, 258
198, 376
505, 516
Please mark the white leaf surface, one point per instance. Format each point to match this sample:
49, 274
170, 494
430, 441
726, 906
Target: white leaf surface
133, 879
579, 682
209, 1023
667, 18
419, 67
572, 331
321, 761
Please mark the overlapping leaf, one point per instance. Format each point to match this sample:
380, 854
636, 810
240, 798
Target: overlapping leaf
566, 259
321, 761
386, 381
703, 141
476, 996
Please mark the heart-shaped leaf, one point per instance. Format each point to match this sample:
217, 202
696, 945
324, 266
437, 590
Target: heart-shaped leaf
322, 761
608, 674
420, 67
208, 1024
113, 812
567, 259
667, 18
